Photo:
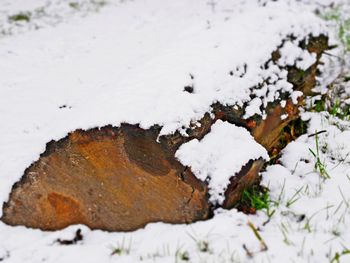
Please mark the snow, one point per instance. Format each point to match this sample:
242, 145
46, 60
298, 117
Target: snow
295, 95
253, 108
42, 13
284, 116
309, 224
129, 61
283, 103
292, 54
219, 156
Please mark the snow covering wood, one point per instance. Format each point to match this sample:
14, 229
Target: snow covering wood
220, 155
111, 162
131, 63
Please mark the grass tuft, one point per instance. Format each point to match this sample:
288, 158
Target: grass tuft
23, 16
343, 23
182, 255
254, 199
319, 165
74, 5
121, 249
338, 255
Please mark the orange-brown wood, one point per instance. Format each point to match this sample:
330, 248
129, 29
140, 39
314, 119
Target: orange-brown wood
112, 179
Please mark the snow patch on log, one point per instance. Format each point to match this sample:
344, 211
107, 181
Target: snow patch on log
292, 54
220, 155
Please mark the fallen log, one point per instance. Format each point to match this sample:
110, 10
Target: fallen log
121, 178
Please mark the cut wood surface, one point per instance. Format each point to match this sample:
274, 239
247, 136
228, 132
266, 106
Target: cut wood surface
109, 178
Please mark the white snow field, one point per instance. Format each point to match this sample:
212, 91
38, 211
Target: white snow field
80, 64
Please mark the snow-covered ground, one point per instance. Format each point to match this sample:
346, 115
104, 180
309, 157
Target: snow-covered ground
79, 64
